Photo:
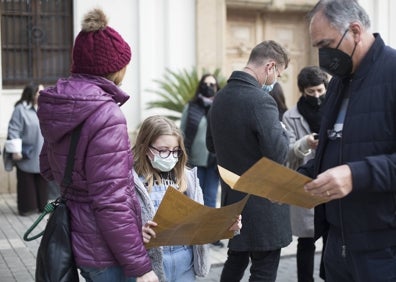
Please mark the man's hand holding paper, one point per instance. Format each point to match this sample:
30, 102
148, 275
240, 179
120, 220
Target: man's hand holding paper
275, 182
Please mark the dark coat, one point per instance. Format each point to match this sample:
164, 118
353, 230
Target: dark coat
243, 126
367, 216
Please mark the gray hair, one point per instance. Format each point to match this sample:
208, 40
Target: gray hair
341, 13
269, 50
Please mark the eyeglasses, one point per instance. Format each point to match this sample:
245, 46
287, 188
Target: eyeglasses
342, 38
166, 153
278, 74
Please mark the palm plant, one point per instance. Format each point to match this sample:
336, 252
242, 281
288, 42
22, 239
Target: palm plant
177, 88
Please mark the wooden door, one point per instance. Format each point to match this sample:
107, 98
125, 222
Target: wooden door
247, 28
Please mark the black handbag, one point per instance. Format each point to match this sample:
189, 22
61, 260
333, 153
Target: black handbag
55, 261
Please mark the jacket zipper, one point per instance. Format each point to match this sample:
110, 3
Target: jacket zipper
343, 246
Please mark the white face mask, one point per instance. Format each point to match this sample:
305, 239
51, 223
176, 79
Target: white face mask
268, 88
164, 165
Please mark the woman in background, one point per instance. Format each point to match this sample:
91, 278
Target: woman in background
23, 147
280, 99
193, 124
303, 122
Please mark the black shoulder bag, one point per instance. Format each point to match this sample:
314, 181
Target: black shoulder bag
55, 260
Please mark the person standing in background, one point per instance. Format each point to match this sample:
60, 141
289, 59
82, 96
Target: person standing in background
105, 215
22, 148
194, 124
355, 162
280, 99
303, 122
243, 127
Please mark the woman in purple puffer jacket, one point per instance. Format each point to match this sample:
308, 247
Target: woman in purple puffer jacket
105, 214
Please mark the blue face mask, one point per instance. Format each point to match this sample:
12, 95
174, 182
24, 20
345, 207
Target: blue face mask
268, 88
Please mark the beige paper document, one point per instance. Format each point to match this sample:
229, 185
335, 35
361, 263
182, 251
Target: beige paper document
273, 181
182, 221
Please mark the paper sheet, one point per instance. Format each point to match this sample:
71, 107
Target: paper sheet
273, 181
182, 221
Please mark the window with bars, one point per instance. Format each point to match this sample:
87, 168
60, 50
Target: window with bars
36, 41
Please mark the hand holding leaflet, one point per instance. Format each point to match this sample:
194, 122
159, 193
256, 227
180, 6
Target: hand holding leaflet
182, 221
273, 181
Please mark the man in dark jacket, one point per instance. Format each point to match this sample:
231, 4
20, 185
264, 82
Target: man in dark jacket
243, 127
355, 163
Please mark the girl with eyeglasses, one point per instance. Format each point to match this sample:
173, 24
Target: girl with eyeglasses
160, 162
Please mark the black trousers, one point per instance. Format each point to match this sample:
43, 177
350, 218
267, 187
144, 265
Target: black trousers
305, 259
264, 266
32, 192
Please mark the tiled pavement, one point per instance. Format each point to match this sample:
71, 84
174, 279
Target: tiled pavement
17, 257
286, 271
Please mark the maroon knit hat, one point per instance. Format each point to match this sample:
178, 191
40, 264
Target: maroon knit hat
99, 49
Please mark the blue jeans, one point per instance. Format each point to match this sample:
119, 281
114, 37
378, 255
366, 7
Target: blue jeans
114, 273
263, 269
209, 182
357, 266
178, 263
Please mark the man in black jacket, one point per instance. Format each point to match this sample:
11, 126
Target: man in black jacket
244, 126
355, 163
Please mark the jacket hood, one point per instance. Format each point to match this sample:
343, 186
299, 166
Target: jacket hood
63, 107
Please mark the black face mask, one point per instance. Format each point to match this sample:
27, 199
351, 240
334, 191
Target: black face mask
336, 62
207, 91
313, 101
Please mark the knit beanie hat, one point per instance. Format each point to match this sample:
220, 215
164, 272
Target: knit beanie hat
99, 49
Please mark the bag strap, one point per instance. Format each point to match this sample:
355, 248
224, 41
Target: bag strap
67, 177
66, 182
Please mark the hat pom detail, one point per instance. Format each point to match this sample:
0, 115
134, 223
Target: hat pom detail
98, 48
94, 20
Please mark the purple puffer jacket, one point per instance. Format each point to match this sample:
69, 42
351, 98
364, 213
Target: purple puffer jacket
105, 213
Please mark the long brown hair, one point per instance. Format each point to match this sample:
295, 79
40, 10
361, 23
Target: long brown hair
152, 128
